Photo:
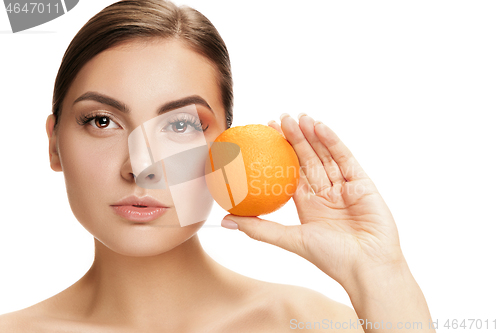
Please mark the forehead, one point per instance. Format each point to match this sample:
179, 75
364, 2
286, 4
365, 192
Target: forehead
147, 73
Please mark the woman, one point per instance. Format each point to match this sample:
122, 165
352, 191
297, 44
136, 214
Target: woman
131, 60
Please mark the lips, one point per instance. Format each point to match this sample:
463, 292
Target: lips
136, 209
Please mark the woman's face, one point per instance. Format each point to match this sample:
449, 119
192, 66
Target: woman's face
93, 153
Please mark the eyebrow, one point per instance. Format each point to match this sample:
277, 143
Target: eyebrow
195, 99
103, 99
122, 107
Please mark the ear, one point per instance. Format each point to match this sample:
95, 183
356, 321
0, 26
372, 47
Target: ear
55, 162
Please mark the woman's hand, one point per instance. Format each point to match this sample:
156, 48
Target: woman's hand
346, 230
346, 227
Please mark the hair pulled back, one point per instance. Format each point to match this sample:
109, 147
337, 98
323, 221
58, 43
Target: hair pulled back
132, 19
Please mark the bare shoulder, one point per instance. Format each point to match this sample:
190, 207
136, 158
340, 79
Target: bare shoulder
285, 308
18, 321
40, 318
303, 301
304, 308
36, 319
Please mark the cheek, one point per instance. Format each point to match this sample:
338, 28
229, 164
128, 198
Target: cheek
91, 165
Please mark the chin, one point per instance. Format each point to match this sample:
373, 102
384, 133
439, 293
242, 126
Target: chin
148, 240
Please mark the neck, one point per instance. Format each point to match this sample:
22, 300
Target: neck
140, 290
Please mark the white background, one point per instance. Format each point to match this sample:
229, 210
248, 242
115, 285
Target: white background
411, 87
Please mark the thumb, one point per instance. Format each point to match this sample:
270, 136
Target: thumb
286, 237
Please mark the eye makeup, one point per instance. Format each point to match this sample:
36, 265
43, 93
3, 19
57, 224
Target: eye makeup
179, 123
176, 122
96, 119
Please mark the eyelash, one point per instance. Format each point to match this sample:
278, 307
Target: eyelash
196, 123
87, 118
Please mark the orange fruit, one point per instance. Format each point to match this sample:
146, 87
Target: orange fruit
251, 170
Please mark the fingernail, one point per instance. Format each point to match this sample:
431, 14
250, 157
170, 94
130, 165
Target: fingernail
271, 121
229, 224
317, 122
300, 115
284, 115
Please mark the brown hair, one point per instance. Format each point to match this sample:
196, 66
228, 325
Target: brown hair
130, 19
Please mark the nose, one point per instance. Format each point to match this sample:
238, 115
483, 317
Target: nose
151, 177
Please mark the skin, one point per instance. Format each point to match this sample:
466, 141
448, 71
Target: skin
146, 278
346, 228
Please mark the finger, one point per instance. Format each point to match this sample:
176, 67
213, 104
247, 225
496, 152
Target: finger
349, 166
308, 159
304, 189
276, 126
286, 237
306, 124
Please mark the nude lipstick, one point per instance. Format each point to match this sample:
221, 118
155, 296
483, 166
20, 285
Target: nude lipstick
145, 209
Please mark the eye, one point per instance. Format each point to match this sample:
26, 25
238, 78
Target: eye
184, 124
179, 126
97, 120
102, 122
